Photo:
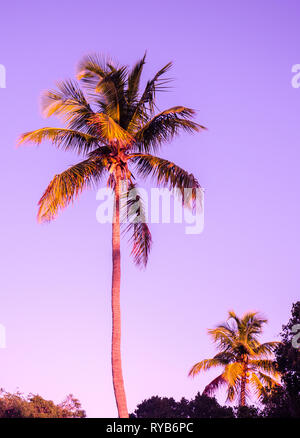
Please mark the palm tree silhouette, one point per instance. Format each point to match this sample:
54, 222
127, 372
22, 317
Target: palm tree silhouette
245, 361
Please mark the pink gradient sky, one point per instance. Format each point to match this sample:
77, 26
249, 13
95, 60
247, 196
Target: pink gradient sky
232, 62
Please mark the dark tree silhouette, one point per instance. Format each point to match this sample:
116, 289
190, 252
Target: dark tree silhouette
284, 401
202, 406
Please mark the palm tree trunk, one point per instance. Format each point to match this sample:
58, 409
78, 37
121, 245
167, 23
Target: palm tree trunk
243, 385
116, 310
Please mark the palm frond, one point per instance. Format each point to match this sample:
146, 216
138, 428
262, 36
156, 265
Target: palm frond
136, 224
204, 365
92, 68
66, 186
246, 328
142, 243
266, 365
166, 174
252, 324
268, 381
108, 81
233, 373
164, 126
266, 349
223, 337
257, 387
110, 131
214, 385
133, 81
225, 357
232, 315
231, 394
66, 139
146, 104
154, 85
69, 103
111, 87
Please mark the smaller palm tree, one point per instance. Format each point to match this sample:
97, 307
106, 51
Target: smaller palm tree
248, 367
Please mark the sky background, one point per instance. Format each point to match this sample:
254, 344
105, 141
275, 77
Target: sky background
232, 63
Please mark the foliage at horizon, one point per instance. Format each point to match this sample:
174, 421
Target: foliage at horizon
17, 405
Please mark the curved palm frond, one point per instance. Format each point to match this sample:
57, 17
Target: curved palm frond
165, 173
92, 68
135, 219
204, 365
69, 103
109, 130
164, 126
107, 81
112, 87
266, 365
253, 323
247, 327
133, 81
232, 393
223, 336
257, 387
254, 319
232, 315
67, 139
243, 347
225, 357
215, 384
66, 186
142, 243
268, 380
146, 104
266, 349
154, 85
233, 373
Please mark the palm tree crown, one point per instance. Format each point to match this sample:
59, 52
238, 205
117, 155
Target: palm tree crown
247, 364
113, 125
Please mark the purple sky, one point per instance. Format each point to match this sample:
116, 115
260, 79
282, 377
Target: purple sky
232, 62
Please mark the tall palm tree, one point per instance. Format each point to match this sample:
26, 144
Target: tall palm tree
115, 127
247, 364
